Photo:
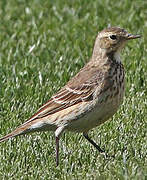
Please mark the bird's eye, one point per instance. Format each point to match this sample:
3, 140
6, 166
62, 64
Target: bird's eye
113, 37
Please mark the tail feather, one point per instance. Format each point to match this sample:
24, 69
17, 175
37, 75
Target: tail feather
8, 136
23, 129
26, 128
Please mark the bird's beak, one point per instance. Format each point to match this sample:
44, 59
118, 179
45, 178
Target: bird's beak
131, 36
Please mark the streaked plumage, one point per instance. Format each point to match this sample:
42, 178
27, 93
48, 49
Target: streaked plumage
90, 98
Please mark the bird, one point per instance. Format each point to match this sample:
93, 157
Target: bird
90, 98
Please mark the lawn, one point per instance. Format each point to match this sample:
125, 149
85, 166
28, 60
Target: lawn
42, 45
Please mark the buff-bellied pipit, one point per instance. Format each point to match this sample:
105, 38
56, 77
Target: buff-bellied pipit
88, 99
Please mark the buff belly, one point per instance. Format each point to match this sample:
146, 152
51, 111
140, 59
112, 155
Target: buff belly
94, 115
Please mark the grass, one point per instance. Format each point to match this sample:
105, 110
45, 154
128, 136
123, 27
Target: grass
42, 45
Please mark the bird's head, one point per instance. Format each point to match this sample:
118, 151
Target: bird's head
112, 40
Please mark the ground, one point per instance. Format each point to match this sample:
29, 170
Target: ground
42, 45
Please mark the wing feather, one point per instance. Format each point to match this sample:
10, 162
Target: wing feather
78, 89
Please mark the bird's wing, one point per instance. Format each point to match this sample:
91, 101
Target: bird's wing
78, 89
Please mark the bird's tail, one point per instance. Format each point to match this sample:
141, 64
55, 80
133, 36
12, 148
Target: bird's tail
10, 135
23, 129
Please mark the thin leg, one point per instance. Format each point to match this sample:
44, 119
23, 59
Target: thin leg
93, 143
57, 151
58, 132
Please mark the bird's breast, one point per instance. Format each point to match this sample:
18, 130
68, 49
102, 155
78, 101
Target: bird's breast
104, 106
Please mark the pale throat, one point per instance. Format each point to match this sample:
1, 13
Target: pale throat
117, 56
101, 54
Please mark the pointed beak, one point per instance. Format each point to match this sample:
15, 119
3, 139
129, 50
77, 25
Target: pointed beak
131, 36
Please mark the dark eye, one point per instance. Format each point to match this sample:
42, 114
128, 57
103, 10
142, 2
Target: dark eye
113, 37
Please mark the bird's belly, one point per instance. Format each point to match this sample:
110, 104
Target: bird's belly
100, 113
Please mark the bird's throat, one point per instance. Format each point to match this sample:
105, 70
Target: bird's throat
117, 56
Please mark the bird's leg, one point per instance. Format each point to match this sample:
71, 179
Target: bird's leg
93, 143
58, 132
57, 151
97, 147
